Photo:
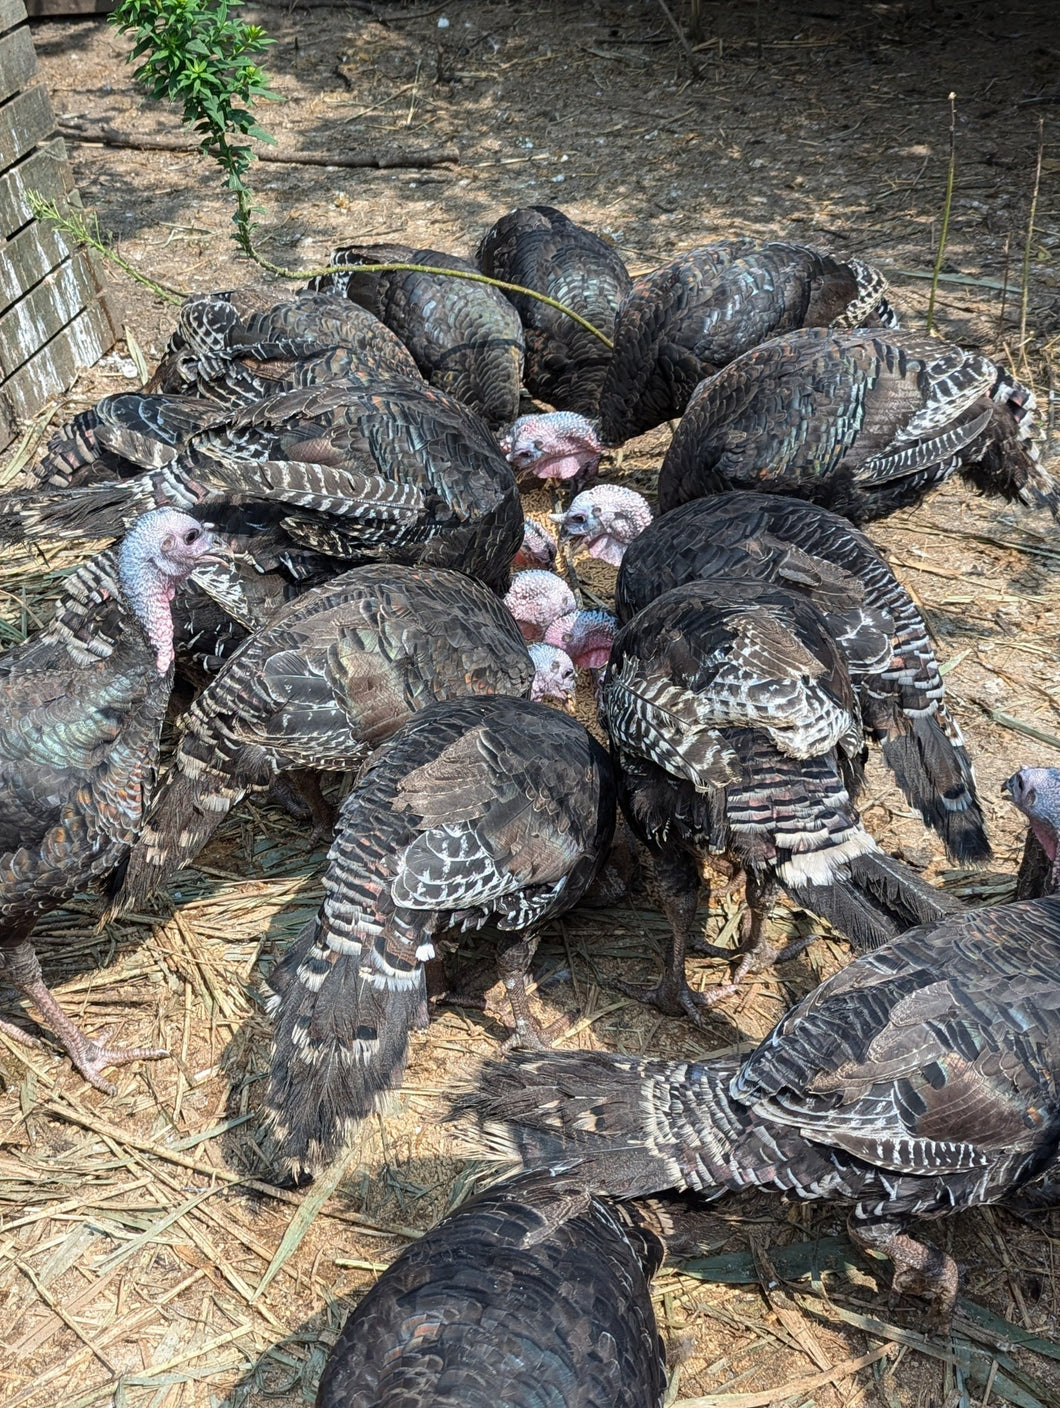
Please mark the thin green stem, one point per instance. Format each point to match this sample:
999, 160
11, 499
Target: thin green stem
76, 227
1025, 274
943, 234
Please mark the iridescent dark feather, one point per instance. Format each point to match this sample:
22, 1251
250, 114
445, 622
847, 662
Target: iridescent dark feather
919, 1080
861, 422
465, 336
538, 247
486, 810
531, 1293
332, 676
685, 321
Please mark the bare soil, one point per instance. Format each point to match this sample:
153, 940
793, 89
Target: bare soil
135, 1255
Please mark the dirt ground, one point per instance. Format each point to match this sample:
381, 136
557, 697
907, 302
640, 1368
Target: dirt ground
142, 1260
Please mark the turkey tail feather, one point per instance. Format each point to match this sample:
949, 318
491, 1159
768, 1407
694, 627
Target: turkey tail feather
341, 1042
188, 809
932, 768
876, 900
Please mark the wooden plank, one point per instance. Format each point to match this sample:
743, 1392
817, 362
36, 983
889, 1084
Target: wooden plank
54, 368
18, 62
24, 121
24, 261
36, 318
12, 12
7, 423
46, 170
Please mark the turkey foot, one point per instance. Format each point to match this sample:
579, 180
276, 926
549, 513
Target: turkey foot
919, 1269
23, 971
298, 792
23, 1038
672, 996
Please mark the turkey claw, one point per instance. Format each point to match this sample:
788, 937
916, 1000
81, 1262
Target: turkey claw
91, 1056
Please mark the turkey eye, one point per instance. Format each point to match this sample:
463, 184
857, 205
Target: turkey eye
191, 535
539, 445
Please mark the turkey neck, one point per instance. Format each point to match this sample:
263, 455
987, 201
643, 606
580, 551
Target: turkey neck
149, 593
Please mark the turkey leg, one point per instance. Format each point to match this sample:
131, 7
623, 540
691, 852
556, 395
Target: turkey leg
678, 878
22, 971
918, 1269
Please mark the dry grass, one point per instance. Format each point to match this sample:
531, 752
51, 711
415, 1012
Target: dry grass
144, 1259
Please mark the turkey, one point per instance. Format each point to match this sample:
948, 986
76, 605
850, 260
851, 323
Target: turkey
555, 675
605, 520
332, 676
479, 811
696, 314
797, 545
235, 348
465, 336
915, 1082
538, 247
860, 422
532, 1293
81, 714
735, 730
244, 345
399, 472
1036, 792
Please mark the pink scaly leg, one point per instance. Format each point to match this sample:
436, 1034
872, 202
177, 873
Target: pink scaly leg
22, 971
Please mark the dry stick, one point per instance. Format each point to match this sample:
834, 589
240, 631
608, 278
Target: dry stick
110, 137
697, 72
1025, 275
945, 214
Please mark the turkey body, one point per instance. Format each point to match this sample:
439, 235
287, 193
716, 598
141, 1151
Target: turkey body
333, 675
81, 710
399, 473
465, 336
538, 247
860, 422
799, 546
735, 730
693, 316
919, 1080
478, 811
532, 1294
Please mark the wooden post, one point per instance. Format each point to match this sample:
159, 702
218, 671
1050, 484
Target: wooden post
54, 318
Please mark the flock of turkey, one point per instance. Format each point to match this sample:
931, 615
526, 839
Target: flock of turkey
317, 511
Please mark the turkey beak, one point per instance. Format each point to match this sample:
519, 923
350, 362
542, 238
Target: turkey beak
214, 548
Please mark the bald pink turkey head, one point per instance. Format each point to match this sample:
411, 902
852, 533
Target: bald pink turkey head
538, 547
536, 599
606, 518
558, 445
586, 636
555, 678
159, 552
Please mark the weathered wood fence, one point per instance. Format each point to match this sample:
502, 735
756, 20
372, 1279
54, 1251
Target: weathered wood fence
54, 319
